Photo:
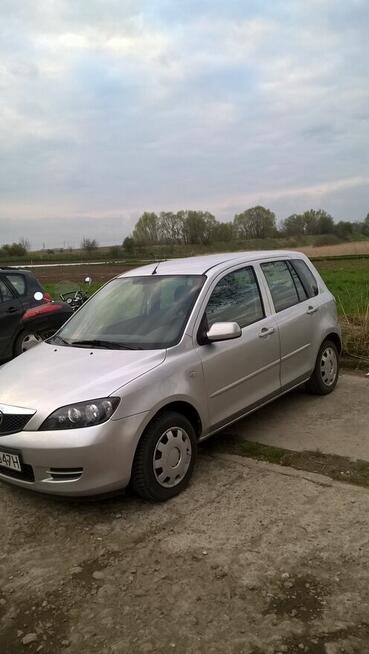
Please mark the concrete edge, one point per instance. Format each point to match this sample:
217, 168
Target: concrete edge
275, 468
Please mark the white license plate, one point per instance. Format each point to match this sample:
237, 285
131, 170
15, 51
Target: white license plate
11, 461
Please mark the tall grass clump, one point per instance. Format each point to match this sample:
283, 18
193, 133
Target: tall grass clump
355, 326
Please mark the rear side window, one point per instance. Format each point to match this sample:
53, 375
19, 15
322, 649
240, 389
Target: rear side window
18, 282
5, 293
281, 284
236, 298
307, 278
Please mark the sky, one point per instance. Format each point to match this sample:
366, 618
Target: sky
109, 108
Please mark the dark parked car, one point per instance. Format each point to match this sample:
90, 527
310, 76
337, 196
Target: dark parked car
27, 313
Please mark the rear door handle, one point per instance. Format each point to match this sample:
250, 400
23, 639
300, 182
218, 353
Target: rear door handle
266, 332
312, 310
12, 309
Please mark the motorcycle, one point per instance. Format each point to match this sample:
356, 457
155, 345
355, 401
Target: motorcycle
76, 297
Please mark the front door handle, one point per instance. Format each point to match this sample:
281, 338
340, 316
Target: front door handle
312, 310
266, 332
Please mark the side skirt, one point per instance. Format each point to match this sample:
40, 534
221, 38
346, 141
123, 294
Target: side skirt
254, 407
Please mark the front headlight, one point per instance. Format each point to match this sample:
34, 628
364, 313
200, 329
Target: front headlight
81, 414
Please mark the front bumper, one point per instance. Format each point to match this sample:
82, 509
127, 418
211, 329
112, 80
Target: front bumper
76, 462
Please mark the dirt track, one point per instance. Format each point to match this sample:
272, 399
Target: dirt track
253, 558
54, 274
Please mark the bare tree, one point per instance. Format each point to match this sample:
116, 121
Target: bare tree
89, 244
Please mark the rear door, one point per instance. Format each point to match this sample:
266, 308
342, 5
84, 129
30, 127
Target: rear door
240, 373
10, 314
297, 311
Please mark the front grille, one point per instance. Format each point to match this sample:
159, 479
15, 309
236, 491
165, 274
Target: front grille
25, 475
12, 423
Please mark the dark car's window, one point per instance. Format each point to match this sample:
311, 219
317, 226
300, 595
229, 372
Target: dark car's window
147, 312
18, 281
307, 278
281, 283
5, 293
236, 298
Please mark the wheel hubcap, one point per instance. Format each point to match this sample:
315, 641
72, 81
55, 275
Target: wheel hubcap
30, 341
328, 366
172, 457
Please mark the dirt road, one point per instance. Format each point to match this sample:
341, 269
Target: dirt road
252, 559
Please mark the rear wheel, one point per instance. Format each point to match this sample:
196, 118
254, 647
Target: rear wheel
325, 375
164, 458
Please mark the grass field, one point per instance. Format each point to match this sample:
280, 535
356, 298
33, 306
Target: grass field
347, 278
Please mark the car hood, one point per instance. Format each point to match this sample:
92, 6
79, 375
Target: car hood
49, 376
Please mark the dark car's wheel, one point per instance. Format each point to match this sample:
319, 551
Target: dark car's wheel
164, 458
325, 375
27, 339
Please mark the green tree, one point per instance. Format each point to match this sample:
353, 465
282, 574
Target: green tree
294, 225
198, 226
129, 245
365, 227
223, 232
344, 229
256, 222
14, 250
310, 222
146, 231
170, 227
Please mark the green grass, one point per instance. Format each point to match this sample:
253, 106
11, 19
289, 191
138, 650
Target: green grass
348, 279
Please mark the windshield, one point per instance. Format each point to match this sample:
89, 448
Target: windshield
134, 312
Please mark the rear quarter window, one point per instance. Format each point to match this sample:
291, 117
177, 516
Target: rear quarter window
307, 278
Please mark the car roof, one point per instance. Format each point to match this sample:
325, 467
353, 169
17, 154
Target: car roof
14, 269
205, 263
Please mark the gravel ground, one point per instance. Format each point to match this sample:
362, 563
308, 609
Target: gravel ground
252, 558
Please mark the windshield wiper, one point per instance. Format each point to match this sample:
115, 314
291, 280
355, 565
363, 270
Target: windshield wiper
109, 345
58, 340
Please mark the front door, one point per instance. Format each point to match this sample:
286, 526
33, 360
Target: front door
242, 372
10, 314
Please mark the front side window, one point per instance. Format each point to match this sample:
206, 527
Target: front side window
281, 284
5, 293
18, 282
147, 312
236, 298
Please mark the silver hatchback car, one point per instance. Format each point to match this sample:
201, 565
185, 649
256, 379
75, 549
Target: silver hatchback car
157, 360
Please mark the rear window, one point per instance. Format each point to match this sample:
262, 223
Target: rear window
18, 282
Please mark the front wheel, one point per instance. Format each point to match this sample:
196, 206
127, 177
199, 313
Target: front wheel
325, 376
28, 339
164, 458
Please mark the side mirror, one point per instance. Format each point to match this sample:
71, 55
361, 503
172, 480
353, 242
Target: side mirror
38, 296
223, 331
88, 281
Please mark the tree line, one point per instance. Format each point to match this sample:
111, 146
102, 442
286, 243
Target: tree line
201, 227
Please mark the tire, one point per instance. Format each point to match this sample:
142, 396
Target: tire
25, 340
325, 376
169, 439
